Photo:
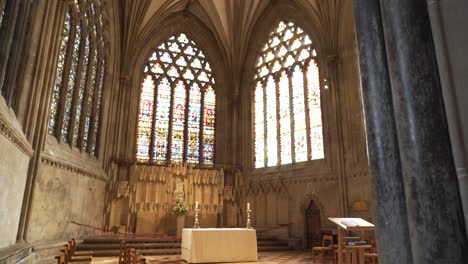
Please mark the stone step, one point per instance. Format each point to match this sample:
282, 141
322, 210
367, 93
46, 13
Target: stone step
270, 249
116, 240
133, 245
272, 243
110, 246
148, 252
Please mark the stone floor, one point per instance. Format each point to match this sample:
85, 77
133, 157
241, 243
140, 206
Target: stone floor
291, 257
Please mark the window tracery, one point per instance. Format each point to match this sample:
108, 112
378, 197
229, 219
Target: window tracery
75, 107
176, 121
287, 110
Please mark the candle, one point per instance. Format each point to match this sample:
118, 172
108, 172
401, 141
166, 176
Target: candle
248, 206
196, 205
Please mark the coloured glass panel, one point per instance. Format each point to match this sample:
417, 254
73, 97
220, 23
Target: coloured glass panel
81, 91
209, 115
161, 133
90, 99
59, 73
179, 65
286, 135
71, 84
259, 127
284, 120
300, 128
145, 118
271, 119
178, 122
315, 113
193, 125
98, 107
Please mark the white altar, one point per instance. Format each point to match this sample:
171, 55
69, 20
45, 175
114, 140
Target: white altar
219, 245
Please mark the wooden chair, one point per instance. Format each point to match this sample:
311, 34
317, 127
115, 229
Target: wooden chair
123, 246
326, 248
129, 255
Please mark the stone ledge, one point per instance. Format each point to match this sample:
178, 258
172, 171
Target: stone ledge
15, 137
51, 161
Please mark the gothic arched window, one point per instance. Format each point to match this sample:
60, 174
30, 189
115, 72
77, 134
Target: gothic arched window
75, 107
176, 120
287, 112
15, 32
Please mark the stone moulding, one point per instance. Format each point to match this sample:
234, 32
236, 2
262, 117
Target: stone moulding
72, 168
15, 138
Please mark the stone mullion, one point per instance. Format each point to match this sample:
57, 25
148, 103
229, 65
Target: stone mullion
171, 113
152, 154
307, 112
74, 22
202, 116
15, 72
291, 111
92, 136
265, 147
278, 125
7, 31
187, 101
86, 96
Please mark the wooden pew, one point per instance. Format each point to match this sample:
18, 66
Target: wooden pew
69, 255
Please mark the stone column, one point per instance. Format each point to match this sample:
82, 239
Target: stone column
450, 93
435, 215
384, 157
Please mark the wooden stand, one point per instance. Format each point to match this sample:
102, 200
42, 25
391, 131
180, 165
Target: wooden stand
349, 224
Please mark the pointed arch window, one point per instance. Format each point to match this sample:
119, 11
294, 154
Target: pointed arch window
75, 107
287, 109
176, 118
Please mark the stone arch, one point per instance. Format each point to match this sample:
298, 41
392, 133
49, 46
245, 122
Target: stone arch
293, 12
150, 37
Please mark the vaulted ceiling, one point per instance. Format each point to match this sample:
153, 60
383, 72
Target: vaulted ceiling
231, 21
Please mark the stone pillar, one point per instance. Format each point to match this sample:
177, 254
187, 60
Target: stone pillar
384, 157
453, 109
435, 215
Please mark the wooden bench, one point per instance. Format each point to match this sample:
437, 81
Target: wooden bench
70, 255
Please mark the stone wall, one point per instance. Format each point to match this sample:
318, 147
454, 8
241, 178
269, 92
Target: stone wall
61, 196
15, 153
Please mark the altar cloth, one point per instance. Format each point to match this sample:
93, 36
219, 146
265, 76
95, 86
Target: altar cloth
204, 245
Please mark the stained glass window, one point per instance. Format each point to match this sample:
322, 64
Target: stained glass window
287, 112
162, 118
76, 99
193, 124
259, 127
71, 84
209, 126
183, 128
81, 91
59, 72
145, 118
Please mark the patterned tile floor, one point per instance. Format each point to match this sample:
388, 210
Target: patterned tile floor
292, 257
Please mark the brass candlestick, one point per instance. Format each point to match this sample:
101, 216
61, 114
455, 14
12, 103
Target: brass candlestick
249, 224
196, 224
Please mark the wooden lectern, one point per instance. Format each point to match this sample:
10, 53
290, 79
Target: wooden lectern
348, 224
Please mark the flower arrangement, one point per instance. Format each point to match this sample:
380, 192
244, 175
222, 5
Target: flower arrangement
180, 208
